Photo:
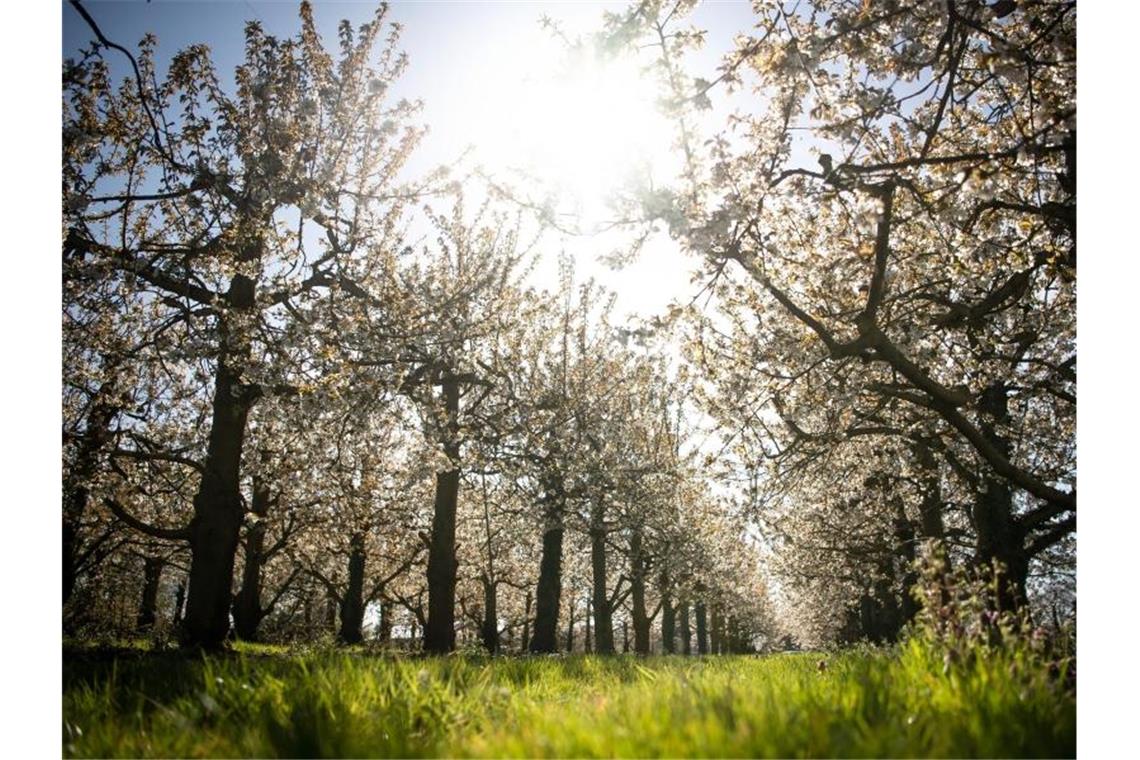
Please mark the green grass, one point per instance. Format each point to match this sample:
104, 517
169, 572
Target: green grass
263, 702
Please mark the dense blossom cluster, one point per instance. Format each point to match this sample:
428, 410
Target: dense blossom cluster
887, 218
306, 402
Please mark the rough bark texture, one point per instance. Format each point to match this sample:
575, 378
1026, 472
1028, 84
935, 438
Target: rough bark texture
352, 604
442, 566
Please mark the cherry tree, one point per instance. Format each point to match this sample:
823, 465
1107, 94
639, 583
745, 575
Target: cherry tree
887, 219
199, 202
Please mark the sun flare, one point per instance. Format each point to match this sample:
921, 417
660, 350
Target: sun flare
580, 123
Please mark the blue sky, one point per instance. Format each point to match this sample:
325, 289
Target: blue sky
443, 38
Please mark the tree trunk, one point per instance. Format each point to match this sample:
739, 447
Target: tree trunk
179, 598
549, 592
247, 611
668, 619
525, 644
214, 531
96, 432
218, 512
148, 605
588, 643
624, 637
384, 635
352, 604
490, 627
686, 631
999, 537
570, 627
931, 506
640, 616
702, 630
332, 604
905, 540
603, 615
715, 631
442, 566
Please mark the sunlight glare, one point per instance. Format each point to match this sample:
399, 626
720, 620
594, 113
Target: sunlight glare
580, 124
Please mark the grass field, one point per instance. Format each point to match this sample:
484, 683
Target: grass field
270, 703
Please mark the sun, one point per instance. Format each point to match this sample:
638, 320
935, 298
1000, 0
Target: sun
580, 123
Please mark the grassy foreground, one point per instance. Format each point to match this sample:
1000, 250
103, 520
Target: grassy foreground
905, 702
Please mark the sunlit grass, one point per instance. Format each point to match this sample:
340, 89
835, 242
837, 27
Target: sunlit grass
336, 704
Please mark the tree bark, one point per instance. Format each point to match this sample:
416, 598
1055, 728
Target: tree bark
247, 611
490, 627
998, 536
715, 637
686, 631
570, 627
549, 592
384, 635
148, 605
668, 619
702, 630
95, 435
603, 614
214, 531
588, 643
352, 604
443, 565
179, 599
640, 616
905, 540
525, 643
